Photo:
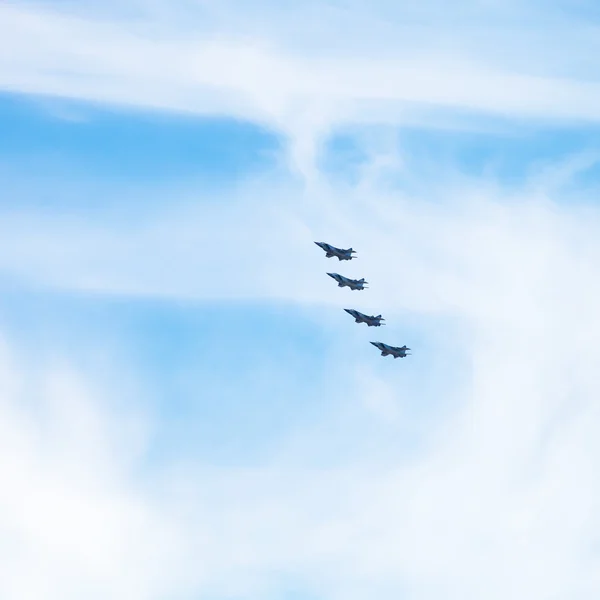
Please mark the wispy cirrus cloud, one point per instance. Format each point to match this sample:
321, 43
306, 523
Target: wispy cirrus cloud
308, 71
468, 472
284, 69
497, 497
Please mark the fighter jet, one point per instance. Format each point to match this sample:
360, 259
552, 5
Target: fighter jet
395, 352
360, 318
353, 284
333, 251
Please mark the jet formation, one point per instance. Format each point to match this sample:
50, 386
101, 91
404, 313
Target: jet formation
359, 284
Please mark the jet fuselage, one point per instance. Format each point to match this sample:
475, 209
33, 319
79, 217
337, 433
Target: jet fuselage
393, 350
331, 251
353, 284
362, 318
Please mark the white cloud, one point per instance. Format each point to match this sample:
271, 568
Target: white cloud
308, 70
73, 523
501, 499
285, 70
462, 245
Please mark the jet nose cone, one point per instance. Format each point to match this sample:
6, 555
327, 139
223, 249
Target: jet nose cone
348, 310
331, 275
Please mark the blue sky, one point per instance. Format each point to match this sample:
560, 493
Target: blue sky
186, 411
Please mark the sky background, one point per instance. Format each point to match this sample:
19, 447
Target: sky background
186, 412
